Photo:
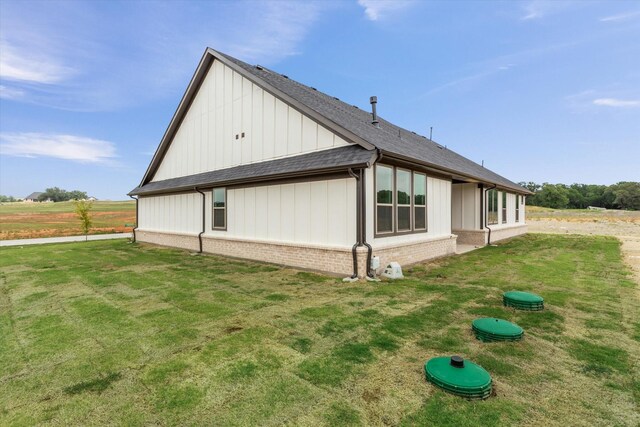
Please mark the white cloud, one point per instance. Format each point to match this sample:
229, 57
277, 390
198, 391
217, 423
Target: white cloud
60, 146
10, 92
31, 66
137, 54
379, 9
537, 9
621, 17
615, 102
272, 30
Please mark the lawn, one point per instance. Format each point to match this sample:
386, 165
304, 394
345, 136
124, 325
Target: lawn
29, 220
117, 333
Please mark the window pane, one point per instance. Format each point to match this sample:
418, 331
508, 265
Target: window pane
420, 218
419, 189
218, 218
404, 187
218, 197
385, 220
492, 207
384, 184
404, 218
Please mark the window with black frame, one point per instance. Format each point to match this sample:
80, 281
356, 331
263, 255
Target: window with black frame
401, 200
220, 208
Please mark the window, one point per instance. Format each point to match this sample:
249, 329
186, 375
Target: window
504, 207
401, 200
220, 208
517, 208
419, 201
492, 206
403, 207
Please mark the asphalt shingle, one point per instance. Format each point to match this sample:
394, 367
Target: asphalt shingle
316, 162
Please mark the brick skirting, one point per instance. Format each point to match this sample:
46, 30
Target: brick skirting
332, 260
411, 253
479, 237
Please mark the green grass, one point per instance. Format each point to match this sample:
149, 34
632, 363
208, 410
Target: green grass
117, 333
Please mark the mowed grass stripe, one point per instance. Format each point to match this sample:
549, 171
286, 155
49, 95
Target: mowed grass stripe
117, 333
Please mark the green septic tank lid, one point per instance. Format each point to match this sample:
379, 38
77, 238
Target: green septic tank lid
523, 301
525, 297
458, 376
492, 329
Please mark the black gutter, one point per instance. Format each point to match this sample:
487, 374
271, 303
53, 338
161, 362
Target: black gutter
244, 180
485, 220
204, 203
136, 227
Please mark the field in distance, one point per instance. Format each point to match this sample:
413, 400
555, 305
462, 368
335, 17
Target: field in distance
33, 220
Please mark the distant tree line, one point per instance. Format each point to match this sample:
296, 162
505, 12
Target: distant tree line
7, 199
623, 195
56, 194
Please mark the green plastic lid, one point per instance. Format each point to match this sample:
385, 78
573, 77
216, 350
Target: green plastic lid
492, 329
459, 377
525, 297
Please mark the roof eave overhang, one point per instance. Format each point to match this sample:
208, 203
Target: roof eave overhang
450, 172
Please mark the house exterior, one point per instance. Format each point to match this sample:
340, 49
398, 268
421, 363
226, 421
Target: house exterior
33, 197
258, 166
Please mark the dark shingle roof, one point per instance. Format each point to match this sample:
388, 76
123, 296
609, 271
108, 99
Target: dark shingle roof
348, 121
389, 138
325, 161
33, 196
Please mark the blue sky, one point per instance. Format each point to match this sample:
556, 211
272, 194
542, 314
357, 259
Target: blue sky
539, 90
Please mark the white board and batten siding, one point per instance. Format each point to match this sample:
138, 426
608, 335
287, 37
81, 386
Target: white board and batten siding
465, 207
438, 213
174, 213
511, 210
228, 104
318, 213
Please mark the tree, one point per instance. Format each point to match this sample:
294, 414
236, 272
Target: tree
627, 195
553, 196
56, 194
83, 211
5, 199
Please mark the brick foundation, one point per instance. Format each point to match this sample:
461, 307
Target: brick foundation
332, 260
184, 241
480, 237
411, 253
471, 237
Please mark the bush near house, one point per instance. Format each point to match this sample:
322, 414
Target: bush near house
116, 333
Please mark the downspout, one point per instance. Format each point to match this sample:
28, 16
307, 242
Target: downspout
358, 242
136, 227
204, 203
363, 202
363, 193
485, 220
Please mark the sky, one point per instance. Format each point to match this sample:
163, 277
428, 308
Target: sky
543, 91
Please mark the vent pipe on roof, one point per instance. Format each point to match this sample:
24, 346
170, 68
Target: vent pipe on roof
374, 100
